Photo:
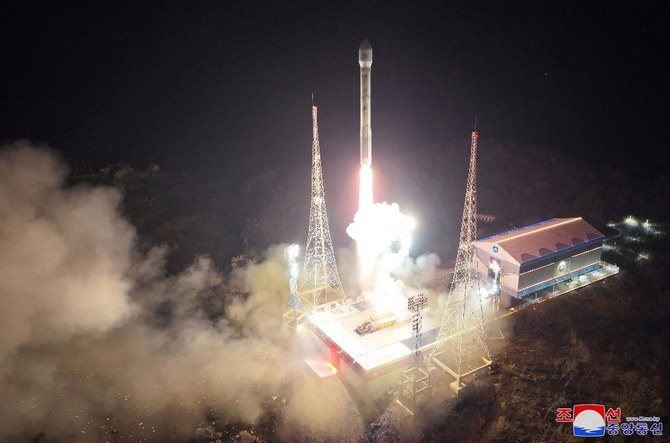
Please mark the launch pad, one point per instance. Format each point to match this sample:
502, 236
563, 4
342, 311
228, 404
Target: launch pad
375, 353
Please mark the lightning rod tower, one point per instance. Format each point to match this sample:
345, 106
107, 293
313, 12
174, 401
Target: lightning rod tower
461, 349
320, 282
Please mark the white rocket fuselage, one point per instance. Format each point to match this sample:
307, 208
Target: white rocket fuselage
365, 62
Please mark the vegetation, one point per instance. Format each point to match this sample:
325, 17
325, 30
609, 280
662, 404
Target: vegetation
518, 184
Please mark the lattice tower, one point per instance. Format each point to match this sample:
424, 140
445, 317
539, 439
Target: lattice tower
294, 314
320, 282
462, 337
415, 381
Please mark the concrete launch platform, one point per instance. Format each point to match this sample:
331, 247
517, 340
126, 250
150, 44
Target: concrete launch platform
373, 353
388, 349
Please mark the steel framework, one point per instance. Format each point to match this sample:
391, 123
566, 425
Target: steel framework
416, 380
320, 282
293, 316
462, 337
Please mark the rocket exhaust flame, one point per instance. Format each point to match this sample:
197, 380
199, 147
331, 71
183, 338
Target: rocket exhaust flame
380, 230
365, 193
366, 250
376, 227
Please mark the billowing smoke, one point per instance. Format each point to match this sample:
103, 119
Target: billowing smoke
383, 239
64, 255
97, 343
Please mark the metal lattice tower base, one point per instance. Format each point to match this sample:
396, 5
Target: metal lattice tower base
293, 317
320, 282
416, 387
415, 381
460, 348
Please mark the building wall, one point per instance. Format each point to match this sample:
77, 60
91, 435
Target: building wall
512, 282
558, 268
509, 280
509, 270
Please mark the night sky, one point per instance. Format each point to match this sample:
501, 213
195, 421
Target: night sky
226, 86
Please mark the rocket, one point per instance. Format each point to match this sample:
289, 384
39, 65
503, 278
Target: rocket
365, 62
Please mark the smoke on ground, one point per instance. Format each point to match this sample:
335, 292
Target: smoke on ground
97, 343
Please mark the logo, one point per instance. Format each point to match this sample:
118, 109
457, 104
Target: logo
589, 420
562, 266
495, 248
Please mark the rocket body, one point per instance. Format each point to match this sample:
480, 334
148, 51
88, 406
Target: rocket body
365, 62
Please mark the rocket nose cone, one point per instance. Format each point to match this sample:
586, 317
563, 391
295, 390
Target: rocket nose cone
365, 54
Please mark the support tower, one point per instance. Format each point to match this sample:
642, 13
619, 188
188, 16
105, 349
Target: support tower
320, 282
460, 348
293, 316
415, 381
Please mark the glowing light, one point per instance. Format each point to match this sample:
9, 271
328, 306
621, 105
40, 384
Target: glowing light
365, 192
643, 256
292, 251
411, 223
495, 266
535, 231
380, 225
321, 368
562, 267
630, 220
383, 238
380, 230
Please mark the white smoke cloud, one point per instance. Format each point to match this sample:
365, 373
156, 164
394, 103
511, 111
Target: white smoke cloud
64, 253
380, 226
383, 238
97, 343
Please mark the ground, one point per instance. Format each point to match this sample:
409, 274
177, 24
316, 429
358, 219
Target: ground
606, 343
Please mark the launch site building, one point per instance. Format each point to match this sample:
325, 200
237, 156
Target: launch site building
532, 258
